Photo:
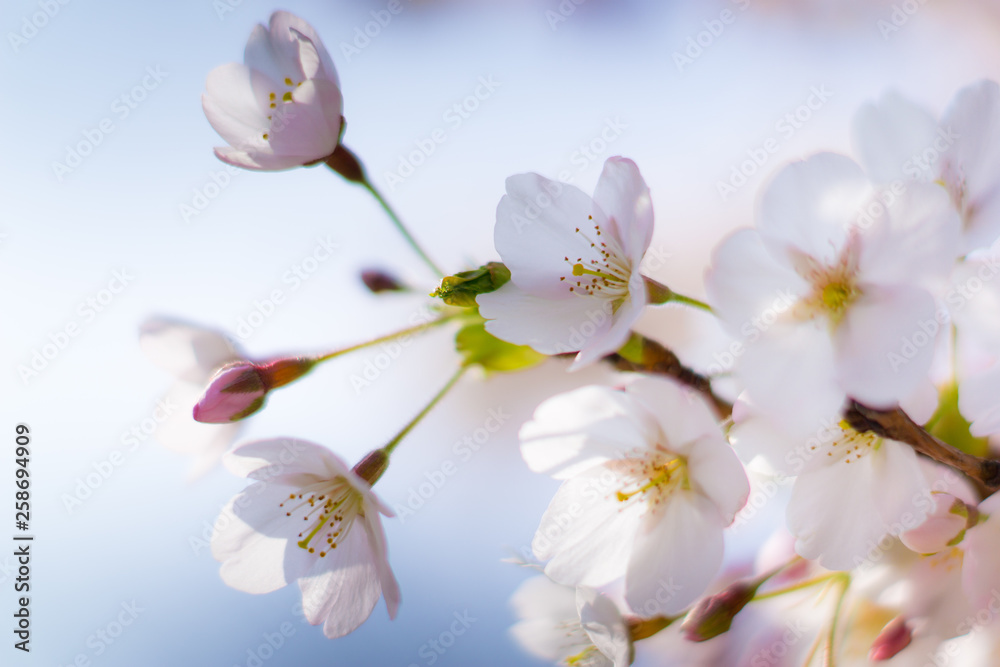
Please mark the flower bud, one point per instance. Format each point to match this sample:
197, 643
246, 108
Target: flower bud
713, 615
372, 466
462, 288
895, 636
377, 280
238, 390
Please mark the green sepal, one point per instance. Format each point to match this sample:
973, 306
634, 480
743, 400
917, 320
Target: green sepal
462, 288
480, 347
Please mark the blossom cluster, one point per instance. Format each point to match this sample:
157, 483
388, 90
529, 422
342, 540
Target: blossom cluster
863, 324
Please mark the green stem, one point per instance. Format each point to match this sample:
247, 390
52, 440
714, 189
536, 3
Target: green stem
797, 587
423, 413
401, 227
384, 339
658, 294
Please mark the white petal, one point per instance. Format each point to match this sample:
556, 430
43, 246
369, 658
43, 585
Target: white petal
840, 512
256, 542
550, 326
979, 401
623, 195
678, 552
885, 344
811, 204
586, 532
746, 282
605, 626
277, 457
261, 55
380, 552
575, 431
541, 598
914, 242
259, 160
682, 415
189, 352
343, 588
233, 107
608, 340
793, 366
536, 232
718, 474
310, 124
887, 135
284, 25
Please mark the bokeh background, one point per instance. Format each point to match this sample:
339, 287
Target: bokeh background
596, 76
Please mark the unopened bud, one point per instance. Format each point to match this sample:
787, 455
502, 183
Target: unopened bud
462, 288
377, 280
895, 636
239, 389
372, 466
714, 615
943, 528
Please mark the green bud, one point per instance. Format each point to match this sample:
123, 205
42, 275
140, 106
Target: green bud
462, 288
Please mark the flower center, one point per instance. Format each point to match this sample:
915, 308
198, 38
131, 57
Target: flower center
652, 477
847, 446
834, 288
285, 98
588, 656
606, 274
329, 509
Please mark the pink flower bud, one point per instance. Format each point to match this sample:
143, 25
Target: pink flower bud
943, 528
239, 389
713, 615
895, 636
377, 280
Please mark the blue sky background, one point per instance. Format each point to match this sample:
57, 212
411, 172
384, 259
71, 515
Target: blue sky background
65, 234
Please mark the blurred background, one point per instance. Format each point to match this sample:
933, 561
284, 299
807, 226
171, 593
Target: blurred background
115, 210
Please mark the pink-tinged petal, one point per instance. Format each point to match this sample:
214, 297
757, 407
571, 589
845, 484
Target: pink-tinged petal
237, 391
892, 137
575, 431
759, 436
310, 124
717, 473
545, 608
921, 404
979, 401
233, 107
784, 365
678, 551
980, 574
255, 541
810, 205
748, 288
259, 161
974, 300
971, 129
536, 235
261, 55
189, 352
284, 25
944, 525
914, 241
885, 343
604, 625
609, 340
342, 589
586, 532
624, 197
276, 457
839, 512
380, 553
550, 326
682, 415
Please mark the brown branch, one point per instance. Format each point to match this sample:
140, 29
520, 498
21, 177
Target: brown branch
896, 425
